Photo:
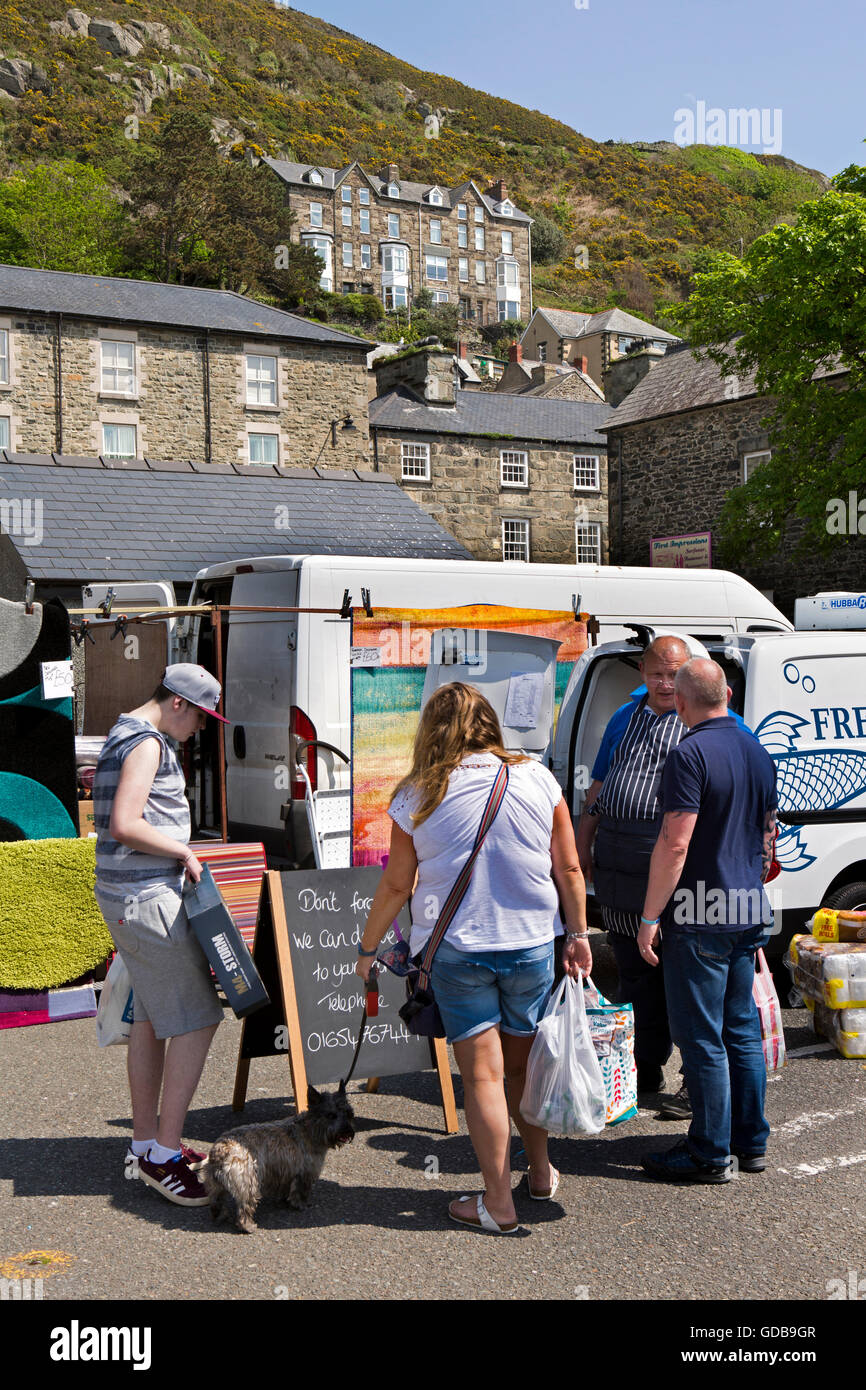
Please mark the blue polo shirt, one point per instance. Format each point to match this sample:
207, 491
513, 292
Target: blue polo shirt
616, 727
720, 771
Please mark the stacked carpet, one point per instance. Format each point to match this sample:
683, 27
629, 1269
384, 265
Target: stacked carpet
51, 930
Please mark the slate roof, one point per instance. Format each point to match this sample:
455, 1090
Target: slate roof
493, 413
148, 301
576, 325
563, 369
680, 382
297, 175
166, 521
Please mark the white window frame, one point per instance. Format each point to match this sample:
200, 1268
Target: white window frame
346, 216
395, 296
508, 243
508, 275
113, 386
4, 357
263, 434
757, 454
542, 352
117, 425
513, 468
436, 268
347, 256
436, 198
392, 254
316, 219
393, 190
587, 537
507, 208
364, 221
440, 296
463, 269
364, 196
462, 212
414, 462
479, 213
516, 538
326, 279
366, 258
480, 273
479, 239
508, 310
256, 379
345, 194
316, 177
393, 224
6, 420
589, 465
436, 231
463, 236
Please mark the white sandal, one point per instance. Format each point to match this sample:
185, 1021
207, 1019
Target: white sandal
485, 1221
545, 1196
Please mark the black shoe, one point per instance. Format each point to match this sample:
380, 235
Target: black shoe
677, 1107
649, 1079
749, 1163
679, 1165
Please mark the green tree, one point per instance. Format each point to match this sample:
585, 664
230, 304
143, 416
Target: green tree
60, 216
548, 241
203, 220
791, 313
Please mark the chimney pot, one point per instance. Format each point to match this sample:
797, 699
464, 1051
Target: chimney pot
461, 350
515, 352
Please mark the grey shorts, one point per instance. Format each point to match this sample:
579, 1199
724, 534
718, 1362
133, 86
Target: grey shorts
172, 987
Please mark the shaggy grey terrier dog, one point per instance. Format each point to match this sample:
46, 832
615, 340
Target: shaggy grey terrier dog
282, 1159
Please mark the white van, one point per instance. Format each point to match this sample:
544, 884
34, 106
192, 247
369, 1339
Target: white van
287, 676
803, 695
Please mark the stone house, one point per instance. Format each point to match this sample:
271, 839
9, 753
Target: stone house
512, 477
559, 380
383, 235
95, 366
679, 441
589, 341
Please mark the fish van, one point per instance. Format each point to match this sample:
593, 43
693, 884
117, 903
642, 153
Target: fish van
803, 696
287, 675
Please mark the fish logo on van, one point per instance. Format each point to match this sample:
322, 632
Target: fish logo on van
815, 779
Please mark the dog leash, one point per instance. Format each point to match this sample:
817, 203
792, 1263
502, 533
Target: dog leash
372, 994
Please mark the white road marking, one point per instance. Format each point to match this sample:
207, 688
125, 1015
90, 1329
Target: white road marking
816, 1119
811, 1049
809, 1170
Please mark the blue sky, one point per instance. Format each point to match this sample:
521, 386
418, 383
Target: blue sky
622, 69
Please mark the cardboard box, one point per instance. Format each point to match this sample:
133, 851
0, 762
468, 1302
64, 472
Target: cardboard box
85, 819
224, 946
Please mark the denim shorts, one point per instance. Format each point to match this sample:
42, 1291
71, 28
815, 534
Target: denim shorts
476, 990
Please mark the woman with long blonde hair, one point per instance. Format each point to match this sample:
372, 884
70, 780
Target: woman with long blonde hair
493, 971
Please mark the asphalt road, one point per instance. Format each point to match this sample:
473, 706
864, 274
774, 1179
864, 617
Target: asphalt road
378, 1225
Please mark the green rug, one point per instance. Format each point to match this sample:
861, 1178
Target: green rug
51, 929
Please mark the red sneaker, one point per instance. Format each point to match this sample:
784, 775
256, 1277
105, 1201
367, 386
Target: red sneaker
175, 1180
131, 1160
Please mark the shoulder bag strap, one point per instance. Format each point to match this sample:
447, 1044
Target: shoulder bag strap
461, 883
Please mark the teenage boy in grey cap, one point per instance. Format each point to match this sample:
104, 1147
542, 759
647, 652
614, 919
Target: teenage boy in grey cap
142, 822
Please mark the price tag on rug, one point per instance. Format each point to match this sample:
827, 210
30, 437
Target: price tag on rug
57, 680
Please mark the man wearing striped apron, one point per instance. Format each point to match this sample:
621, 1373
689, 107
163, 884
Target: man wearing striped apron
623, 818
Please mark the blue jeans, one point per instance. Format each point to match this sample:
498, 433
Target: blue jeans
476, 990
708, 980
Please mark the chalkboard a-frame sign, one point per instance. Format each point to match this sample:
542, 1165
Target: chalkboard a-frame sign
306, 945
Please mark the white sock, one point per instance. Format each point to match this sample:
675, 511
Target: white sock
140, 1146
159, 1154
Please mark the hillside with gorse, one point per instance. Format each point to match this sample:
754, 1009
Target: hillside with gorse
273, 80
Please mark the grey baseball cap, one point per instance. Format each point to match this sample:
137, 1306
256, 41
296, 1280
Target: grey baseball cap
195, 684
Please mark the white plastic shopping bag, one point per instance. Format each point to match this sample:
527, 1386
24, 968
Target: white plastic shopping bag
564, 1091
114, 1015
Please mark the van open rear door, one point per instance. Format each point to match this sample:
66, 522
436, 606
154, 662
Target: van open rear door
516, 672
